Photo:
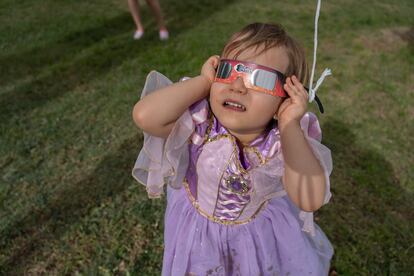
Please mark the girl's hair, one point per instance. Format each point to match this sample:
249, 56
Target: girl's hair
265, 36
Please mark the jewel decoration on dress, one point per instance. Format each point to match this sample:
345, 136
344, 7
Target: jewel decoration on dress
237, 184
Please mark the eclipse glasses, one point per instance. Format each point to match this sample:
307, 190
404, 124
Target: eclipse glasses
257, 77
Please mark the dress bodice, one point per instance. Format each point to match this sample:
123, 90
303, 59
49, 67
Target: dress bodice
226, 183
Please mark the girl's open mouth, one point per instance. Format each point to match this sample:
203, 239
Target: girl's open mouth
234, 106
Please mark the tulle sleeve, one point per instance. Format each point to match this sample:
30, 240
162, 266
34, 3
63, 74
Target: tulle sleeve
312, 131
163, 161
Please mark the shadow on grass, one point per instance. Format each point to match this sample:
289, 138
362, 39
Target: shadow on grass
33, 61
59, 67
370, 214
25, 239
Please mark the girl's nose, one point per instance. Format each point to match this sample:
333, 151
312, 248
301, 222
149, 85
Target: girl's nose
238, 86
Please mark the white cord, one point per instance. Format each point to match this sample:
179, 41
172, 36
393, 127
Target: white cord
326, 72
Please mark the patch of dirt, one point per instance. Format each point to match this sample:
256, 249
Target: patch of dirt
407, 34
388, 40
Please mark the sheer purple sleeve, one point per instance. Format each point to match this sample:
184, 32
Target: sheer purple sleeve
312, 131
164, 161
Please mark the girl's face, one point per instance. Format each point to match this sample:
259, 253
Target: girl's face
244, 112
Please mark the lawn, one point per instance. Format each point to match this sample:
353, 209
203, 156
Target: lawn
70, 74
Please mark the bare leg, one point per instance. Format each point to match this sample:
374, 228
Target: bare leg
156, 9
134, 9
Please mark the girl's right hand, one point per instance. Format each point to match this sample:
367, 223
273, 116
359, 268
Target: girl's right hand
209, 68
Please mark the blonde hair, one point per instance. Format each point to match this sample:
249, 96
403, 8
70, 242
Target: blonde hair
265, 36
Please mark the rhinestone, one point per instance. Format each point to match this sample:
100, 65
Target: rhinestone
237, 184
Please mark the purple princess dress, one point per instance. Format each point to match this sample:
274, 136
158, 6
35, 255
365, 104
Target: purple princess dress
227, 210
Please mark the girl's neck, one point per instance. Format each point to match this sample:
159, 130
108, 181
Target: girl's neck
244, 139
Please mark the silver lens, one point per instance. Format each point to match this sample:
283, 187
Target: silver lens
224, 70
264, 79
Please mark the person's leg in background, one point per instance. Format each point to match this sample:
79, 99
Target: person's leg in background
156, 9
134, 9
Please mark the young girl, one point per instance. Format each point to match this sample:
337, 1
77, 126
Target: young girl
242, 159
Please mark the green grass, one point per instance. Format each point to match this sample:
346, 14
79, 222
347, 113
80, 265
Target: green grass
70, 74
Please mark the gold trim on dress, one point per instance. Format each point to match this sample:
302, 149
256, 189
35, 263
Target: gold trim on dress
217, 220
258, 154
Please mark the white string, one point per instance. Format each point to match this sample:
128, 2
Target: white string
326, 72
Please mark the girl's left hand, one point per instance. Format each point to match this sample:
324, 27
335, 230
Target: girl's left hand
294, 107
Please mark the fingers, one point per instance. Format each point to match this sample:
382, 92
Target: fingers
210, 66
295, 106
216, 61
295, 88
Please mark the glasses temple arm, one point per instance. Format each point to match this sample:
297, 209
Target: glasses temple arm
318, 102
